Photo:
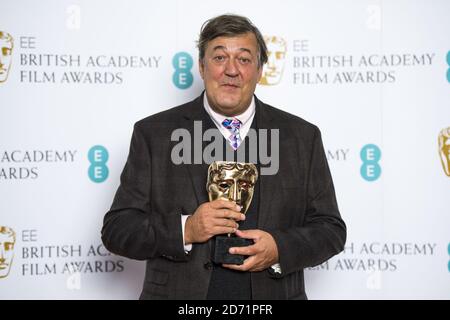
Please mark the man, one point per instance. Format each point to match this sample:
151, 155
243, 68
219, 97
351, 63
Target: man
161, 211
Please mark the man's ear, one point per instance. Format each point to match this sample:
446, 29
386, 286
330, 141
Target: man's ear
201, 67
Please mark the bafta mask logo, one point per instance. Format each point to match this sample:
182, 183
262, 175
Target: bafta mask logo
6, 46
7, 241
273, 69
444, 149
233, 181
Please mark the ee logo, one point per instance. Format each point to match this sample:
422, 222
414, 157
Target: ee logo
98, 171
370, 156
182, 77
448, 249
448, 66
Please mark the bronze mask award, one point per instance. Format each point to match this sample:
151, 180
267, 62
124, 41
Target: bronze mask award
234, 181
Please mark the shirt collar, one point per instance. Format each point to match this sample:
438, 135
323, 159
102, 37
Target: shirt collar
218, 118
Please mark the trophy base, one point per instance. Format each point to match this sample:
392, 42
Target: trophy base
223, 244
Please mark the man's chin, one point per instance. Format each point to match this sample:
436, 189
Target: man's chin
228, 108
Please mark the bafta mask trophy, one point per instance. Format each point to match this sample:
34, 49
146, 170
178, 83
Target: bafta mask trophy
233, 181
6, 47
7, 241
444, 149
276, 54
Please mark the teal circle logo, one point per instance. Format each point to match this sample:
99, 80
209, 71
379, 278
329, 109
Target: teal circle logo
448, 249
182, 77
370, 155
98, 171
448, 64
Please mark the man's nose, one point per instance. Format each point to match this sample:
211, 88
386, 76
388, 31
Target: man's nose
231, 68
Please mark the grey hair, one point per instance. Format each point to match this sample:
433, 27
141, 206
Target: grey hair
229, 25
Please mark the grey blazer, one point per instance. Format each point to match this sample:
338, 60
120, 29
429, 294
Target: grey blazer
297, 207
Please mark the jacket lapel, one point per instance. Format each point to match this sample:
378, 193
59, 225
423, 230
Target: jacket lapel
195, 113
266, 190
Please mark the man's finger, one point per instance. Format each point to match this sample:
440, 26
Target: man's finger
230, 214
223, 230
245, 251
219, 204
249, 234
220, 222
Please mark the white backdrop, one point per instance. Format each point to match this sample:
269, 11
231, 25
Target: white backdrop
82, 72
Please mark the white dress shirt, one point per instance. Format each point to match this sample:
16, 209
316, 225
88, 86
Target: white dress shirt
246, 119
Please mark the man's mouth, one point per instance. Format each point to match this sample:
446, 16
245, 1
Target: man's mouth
230, 85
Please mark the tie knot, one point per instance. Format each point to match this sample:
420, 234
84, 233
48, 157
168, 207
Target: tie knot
232, 124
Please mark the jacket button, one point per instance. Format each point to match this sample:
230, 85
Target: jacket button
208, 265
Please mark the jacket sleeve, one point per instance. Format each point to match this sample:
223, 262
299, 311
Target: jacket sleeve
323, 232
130, 228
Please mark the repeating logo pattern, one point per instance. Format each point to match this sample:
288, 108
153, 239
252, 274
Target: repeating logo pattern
444, 149
98, 171
370, 156
182, 77
448, 66
6, 48
448, 249
276, 52
7, 242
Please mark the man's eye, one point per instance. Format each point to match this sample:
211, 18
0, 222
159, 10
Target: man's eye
219, 58
244, 60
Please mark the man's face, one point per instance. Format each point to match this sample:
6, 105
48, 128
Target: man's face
230, 72
233, 182
276, 52
6, 253
5, 58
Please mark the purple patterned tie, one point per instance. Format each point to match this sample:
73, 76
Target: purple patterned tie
233, 125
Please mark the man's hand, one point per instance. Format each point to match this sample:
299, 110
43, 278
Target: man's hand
210, 219
262, 254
